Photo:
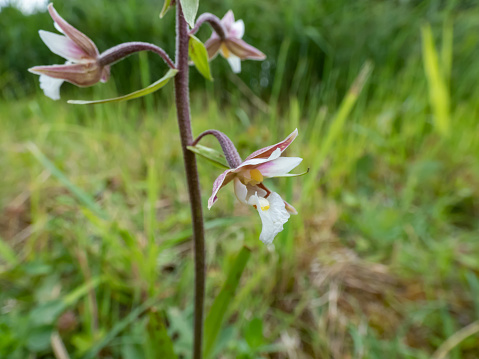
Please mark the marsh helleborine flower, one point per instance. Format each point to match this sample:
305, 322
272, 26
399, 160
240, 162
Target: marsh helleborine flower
82, 67
249, 188
232, 48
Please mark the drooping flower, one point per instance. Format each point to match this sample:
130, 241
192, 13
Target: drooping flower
249, 188
232, 48
82, 68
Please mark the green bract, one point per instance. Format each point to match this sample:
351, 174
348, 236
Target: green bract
190, 8
147, 90
166, 7
199, 55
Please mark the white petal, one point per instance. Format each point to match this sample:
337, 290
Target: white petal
237, 29
273, 218
228, 19
235, 63
51, 86
240, 191
62, 45
245, 192
279, 166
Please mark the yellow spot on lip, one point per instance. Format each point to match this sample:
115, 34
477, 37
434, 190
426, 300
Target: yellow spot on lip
256, 175
263, 208
225, 51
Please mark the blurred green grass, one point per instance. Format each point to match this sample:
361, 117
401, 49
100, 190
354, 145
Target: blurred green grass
382, 260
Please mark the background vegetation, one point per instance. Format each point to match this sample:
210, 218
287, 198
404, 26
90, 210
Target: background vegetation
382, 261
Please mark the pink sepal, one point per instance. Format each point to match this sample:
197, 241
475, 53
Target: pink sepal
83, 41
267, 151
222, 180
82, 74
243, 50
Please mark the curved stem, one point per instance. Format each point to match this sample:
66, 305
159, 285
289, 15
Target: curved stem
229, 149
121, 51
214, 22
184, 125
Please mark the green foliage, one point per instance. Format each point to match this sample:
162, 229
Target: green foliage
190, 8
382, 260
166, 7
216, 314
320, 36
437, 78
199, 56
215, 157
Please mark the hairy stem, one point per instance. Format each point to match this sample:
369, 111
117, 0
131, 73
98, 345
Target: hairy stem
214, 22
184, 124
229, 149
121, 51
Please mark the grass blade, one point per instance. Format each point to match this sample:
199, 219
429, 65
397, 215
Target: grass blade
119, 327
438, 91
339, 120
78, 193
446, 50
217, 312
166, 7
7, 254
278, 80
160, 342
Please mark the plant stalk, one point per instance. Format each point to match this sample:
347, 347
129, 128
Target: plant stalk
231, 153
214, 22
119, 52
184, 125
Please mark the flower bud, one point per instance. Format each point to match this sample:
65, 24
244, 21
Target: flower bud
82, 67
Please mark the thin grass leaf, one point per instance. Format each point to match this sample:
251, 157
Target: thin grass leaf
454, 340
337, 124
152, 192
48, 312
446, 50
166, 7
473, 282
119, 327
78, 193
159, 341
278, 80
171, 240
143, 92
82, 290
220, 305
7, 254
438, 91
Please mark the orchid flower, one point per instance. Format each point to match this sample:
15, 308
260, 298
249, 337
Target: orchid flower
82, 68
232, 48
248, 180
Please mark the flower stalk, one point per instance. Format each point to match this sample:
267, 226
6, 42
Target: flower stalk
231, 153
119, 52
184, 125
213, 21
